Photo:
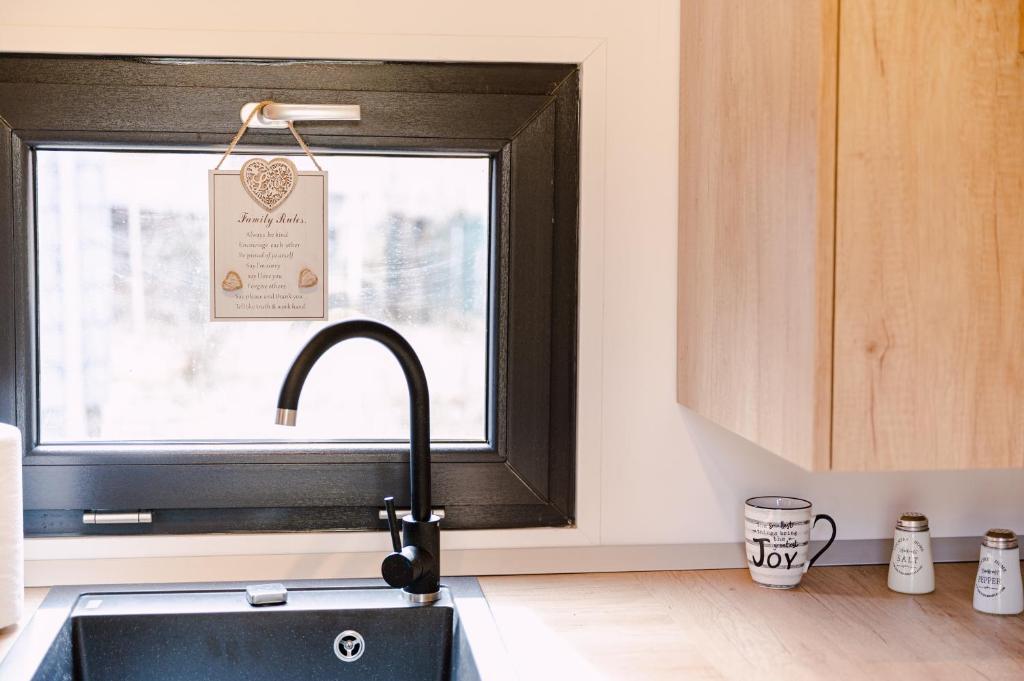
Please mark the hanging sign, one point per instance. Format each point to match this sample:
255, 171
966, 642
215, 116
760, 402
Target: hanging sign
268, 239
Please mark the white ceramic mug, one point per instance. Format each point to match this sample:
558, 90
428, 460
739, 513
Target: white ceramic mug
778, 535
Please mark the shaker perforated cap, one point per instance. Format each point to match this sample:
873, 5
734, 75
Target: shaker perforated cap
912, 521
998, 538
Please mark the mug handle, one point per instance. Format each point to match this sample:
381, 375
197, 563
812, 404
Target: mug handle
828, 519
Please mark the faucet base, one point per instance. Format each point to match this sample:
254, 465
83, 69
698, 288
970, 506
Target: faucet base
420, 599
425, 535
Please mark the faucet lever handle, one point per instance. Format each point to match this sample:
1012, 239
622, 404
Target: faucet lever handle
396, 542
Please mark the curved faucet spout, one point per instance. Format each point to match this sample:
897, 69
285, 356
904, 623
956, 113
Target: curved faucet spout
419, 399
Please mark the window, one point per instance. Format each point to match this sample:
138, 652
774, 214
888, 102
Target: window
141, 361
453, 217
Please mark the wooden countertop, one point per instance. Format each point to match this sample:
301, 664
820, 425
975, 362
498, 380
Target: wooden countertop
842, 623
33, 597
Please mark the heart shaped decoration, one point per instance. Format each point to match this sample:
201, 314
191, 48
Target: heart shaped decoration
232, 282
268, 182
307, 278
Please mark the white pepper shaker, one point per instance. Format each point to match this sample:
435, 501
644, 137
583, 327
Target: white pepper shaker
997, 588
911, 570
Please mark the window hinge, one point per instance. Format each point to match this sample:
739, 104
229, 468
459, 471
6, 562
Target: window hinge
117, 517
402, 512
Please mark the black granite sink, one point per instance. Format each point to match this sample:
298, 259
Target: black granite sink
348, 629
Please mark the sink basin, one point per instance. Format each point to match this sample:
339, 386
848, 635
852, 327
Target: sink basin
344, 629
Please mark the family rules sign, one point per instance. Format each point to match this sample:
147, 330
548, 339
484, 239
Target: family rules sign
268, 242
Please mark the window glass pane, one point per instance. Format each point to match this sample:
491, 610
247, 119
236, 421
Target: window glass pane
126, 351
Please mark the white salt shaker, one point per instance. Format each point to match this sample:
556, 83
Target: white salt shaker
997, 588
911, 570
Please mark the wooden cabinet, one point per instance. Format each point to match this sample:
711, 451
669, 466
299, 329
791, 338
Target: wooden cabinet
851, 241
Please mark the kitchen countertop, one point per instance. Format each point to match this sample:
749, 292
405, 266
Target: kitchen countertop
842, 623
33, 597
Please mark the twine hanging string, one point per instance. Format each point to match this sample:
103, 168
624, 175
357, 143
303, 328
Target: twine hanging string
302, 143
248, 119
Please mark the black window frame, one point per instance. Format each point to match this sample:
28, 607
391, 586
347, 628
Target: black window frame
525, 117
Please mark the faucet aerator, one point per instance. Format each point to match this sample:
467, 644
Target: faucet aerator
285, 417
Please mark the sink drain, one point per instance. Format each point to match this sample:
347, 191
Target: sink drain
349, 646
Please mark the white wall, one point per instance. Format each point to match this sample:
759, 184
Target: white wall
650, 472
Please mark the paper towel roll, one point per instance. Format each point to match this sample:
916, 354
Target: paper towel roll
12, 561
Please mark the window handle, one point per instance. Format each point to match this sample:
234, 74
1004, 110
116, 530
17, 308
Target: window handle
278, 115
396, 542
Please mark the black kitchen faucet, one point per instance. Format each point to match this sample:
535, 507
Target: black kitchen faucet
415, 563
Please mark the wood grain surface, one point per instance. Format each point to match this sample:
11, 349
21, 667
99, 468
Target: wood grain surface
929, 329
756, 220
841, 624
33, 597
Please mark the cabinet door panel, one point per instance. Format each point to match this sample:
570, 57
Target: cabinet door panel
929, 309
756, 181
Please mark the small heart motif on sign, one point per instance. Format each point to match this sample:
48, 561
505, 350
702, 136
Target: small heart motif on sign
232, 282
307, 278
268, 182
